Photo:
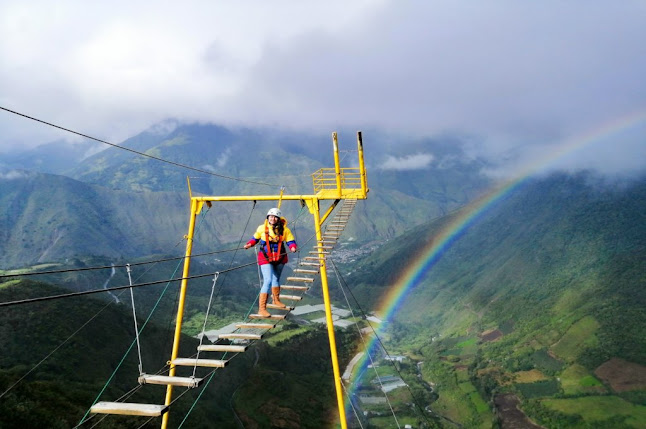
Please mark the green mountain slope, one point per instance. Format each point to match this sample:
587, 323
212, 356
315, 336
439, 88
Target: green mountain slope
120, 204
55, 157
284, 380
84, 341
539, 294
51, 218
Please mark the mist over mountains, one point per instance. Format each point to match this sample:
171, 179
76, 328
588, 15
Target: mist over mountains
108, 201
535, 299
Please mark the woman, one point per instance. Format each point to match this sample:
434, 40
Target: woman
272, 257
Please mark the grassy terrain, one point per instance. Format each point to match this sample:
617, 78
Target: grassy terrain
599, 408
558, 268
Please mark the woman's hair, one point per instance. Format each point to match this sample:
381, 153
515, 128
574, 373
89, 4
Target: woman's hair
279, 227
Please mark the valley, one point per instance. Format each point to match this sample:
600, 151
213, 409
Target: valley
524, 310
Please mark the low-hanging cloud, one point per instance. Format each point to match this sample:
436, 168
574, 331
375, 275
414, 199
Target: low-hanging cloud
15, 174
409, 162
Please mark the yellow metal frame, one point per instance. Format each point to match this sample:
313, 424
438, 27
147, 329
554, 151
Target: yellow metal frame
329, 184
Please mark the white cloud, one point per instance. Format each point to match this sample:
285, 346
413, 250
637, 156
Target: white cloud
513, 74
224, 158
409, 162
14, 174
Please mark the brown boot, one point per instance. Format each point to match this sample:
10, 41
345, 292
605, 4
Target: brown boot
275, 294
262, 305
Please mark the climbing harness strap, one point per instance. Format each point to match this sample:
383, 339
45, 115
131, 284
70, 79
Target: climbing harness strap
273, 257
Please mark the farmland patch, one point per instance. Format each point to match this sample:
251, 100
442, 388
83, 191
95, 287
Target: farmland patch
621, 375
600, 408
580, 336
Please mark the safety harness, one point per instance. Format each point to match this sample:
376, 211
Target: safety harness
270, 255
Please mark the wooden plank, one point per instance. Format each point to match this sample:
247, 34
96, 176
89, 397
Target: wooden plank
305, 271
293, 287
310, 264
129, 409
300, 279
291, 297
221, 348
210, 363
191, 382
273, 316
256, 325
239, 336
276, 307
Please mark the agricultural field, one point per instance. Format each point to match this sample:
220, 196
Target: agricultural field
576, 339
600, 408
538, 389
530, 376
576, 380
622, 376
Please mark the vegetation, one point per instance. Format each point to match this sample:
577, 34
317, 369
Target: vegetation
540, 298
557, 268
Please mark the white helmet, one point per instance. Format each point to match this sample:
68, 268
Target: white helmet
274, 212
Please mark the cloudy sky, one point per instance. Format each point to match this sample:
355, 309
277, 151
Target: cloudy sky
515, 79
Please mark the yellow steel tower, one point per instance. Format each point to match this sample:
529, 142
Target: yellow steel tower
334, 184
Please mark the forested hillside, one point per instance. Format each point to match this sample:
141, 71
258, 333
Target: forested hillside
542, 297
119, 204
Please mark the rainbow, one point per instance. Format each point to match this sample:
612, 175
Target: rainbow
411, 276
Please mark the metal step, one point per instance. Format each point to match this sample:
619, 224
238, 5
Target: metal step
129, 409
239, 336
191, 382
221, 348
300, 279
210, 363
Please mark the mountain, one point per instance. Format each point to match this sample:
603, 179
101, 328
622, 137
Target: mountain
542, 297
89, 347
117, 204
91, 355
55, 157
52, 218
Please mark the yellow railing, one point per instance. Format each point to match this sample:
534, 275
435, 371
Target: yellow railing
325, 179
